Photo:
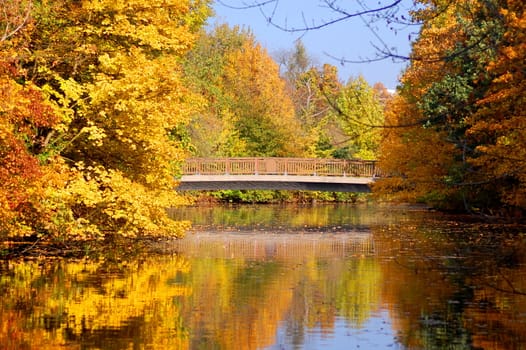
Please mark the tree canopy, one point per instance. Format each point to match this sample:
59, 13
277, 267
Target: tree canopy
456, 137
249, 111
92, 93
102, 100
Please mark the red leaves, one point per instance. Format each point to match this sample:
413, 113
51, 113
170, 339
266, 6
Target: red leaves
23, 112
23, 105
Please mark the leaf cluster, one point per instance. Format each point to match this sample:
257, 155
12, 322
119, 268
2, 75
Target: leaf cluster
92, 98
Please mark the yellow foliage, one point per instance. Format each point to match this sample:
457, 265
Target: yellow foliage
105, 202
262, 111
88, 297
109, 73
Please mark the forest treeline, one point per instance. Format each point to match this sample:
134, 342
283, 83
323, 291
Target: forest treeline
101, 102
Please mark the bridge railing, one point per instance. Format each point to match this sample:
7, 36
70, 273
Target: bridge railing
280, 166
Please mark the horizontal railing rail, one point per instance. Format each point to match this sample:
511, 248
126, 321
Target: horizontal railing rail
280, 166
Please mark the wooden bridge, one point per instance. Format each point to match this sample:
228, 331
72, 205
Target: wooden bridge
311, 174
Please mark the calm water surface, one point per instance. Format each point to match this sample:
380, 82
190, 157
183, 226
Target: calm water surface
282, 277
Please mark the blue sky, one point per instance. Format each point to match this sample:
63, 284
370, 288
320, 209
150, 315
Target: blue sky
350, 39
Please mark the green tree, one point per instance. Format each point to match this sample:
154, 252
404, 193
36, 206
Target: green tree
212, 130
263, 112
360, 115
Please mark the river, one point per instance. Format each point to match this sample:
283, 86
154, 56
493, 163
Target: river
336, 276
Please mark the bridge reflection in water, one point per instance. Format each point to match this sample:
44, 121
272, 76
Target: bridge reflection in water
335, 175
282, 246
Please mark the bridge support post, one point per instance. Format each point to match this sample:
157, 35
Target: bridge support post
227, 167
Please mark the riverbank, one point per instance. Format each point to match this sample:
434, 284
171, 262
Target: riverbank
110, 247
276, 197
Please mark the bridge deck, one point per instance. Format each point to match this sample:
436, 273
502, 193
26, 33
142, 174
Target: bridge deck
277, 178
278, 174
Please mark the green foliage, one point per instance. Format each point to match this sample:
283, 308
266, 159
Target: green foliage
312, 92
347, 152
360, 115
267, 196
251, 196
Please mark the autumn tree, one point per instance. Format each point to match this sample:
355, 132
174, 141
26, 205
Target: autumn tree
249, 112
24, 111
497, 128
25, 120
110, 75
444, 99
382, 94
264, 113
417, 151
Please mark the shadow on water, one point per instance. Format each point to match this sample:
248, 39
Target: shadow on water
282, 277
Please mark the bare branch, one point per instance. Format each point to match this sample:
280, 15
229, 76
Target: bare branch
344, 15
248, 6
388, 12
330, 4
14, 16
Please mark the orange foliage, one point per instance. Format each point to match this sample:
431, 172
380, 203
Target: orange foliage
500, 124
25, 118
264, 113
415, 160
450, 139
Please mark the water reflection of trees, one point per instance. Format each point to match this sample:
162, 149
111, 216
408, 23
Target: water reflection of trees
253, 297
179, 303
455, 286
109, 305
289, 217
445, 284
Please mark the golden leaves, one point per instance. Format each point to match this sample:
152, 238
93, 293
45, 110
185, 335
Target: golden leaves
259, 101
109, 93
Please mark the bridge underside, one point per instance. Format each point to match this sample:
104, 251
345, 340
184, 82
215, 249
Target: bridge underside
274, 182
